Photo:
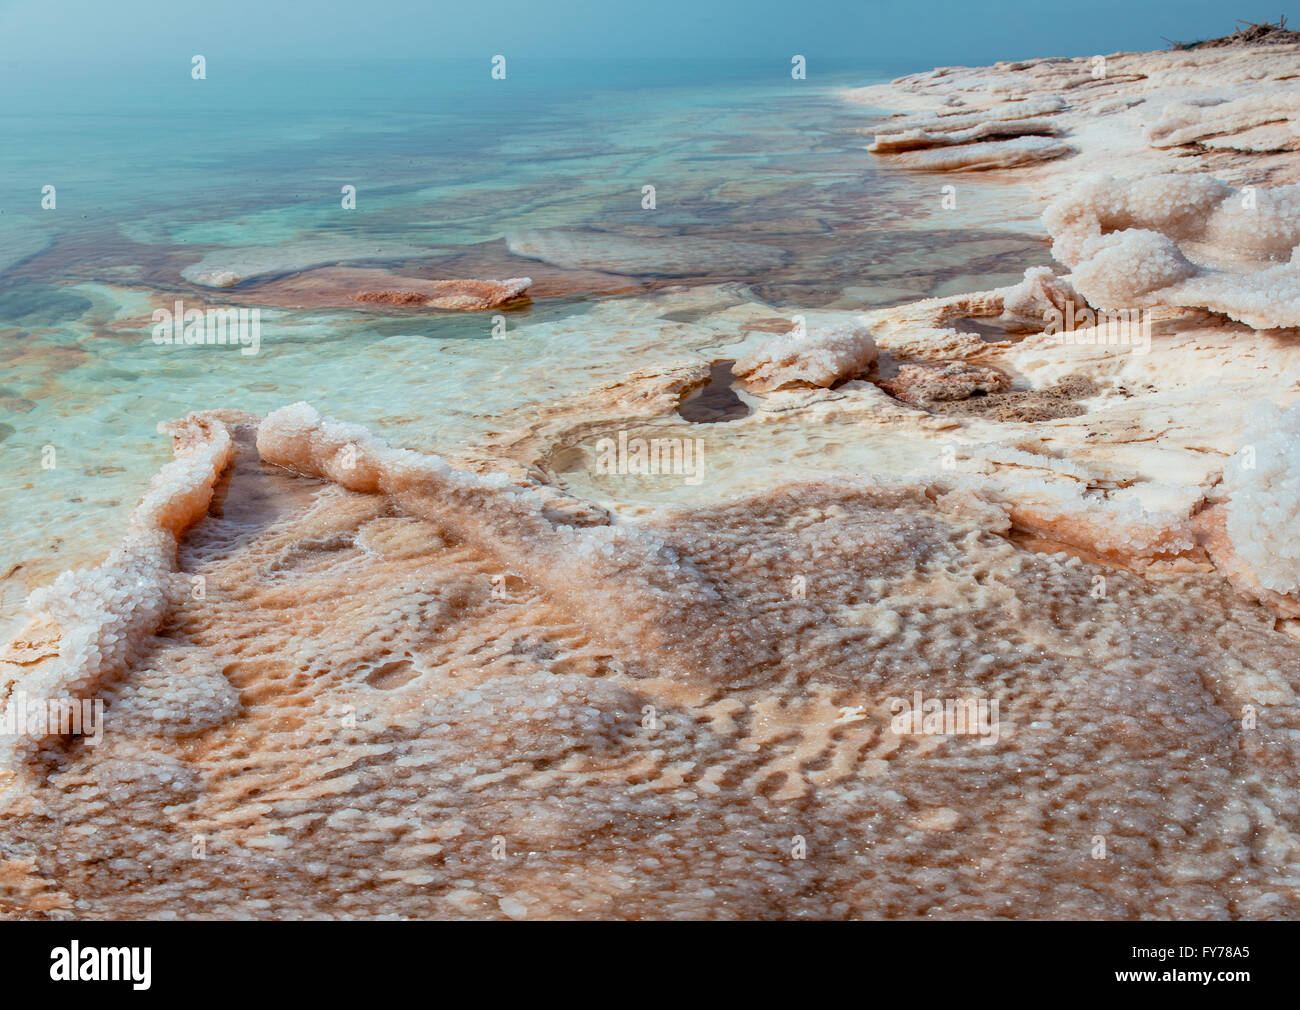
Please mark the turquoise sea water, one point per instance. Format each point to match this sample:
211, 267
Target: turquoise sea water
154, 170
441, 153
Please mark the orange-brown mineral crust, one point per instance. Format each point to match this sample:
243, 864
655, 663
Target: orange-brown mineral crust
408, 691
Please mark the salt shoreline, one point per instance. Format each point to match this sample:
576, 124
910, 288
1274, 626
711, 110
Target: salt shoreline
501, 625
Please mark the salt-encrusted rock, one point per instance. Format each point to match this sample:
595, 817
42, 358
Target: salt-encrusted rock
918, 139
460, 295
976, 157
927, 382
817, 357
1183, 240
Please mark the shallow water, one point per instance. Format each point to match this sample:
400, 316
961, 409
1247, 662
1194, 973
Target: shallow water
153, 171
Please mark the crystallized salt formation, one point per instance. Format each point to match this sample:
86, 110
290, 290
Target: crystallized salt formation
103, 614
1259, 225
1027, 304
1009, 137
1208, 119
817, 357
665, 254
633, 566
945, 155
1184, 241
908, 140
224, 268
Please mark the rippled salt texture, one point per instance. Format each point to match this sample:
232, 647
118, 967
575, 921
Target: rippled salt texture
418, 692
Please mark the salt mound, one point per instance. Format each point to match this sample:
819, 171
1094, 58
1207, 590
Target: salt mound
1026, 305
1117, 270
818, 357
1185, 241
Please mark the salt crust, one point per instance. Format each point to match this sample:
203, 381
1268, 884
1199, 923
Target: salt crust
490, 509
1184, 240
818, 357
1191, 121
105, 612
631, 782
1263, 484
981, 156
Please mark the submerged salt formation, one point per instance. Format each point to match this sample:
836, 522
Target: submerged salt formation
460, 295
224, 268
657, 254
